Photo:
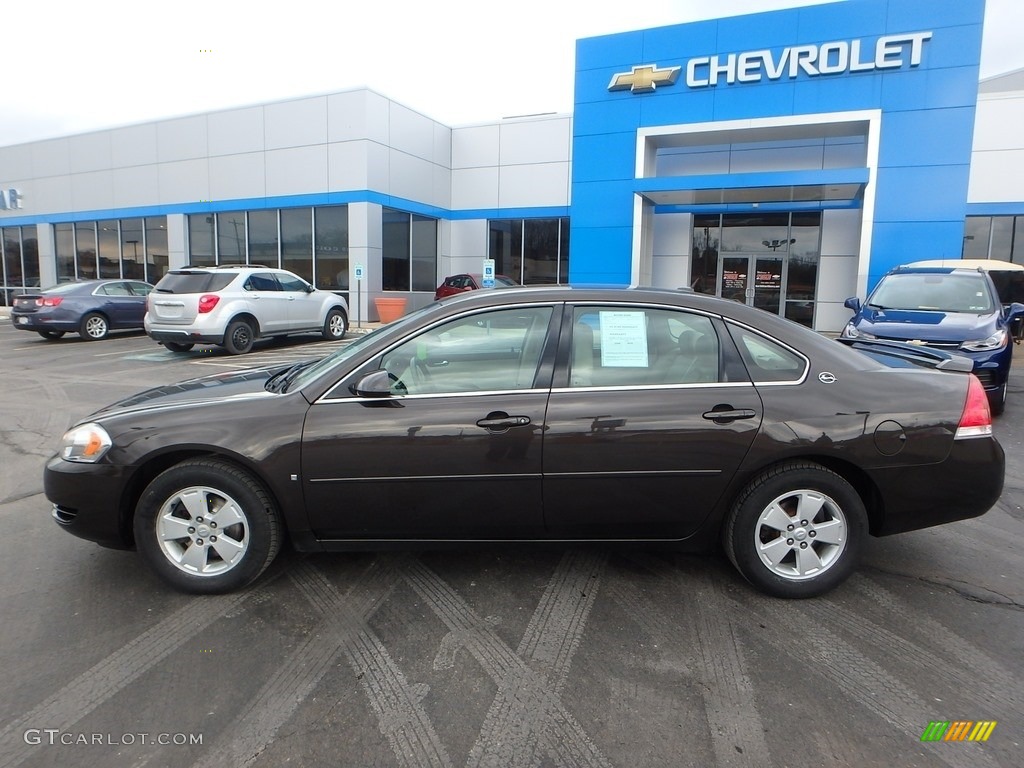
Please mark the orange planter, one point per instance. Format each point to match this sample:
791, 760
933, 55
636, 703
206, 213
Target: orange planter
389, 307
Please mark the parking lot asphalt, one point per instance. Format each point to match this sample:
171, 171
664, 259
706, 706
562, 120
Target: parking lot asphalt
482, 658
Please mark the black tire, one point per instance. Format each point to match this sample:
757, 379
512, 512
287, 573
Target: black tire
799, 557
239, 337
336, 325
94, 327
207, 558
176, 346
51, 335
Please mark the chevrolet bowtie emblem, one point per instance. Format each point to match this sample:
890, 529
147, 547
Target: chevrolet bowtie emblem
643, 79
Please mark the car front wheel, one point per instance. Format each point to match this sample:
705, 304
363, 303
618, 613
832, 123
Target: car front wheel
796, 531
51, 335
239, 337
177, 346
207, 526
335, 325
94, 327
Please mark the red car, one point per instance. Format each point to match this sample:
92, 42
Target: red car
465, 282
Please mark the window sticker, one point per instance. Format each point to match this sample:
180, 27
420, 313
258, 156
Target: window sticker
623, 340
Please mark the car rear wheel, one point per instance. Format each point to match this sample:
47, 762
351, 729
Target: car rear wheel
94, 327
335, 325
176, 346
239, 337
51, 335
207, 526
796, 531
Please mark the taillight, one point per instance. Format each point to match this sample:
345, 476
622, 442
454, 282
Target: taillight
207, 303
49, 301
976, 420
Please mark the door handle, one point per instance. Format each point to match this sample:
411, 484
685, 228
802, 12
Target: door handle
500, 422
726, 414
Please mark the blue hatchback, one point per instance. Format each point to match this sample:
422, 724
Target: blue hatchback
945, 308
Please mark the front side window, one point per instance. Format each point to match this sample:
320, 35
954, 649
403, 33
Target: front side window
484, 352
637, 346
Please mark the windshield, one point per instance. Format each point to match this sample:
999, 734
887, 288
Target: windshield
939, 292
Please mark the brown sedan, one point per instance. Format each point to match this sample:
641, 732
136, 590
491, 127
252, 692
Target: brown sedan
552, 414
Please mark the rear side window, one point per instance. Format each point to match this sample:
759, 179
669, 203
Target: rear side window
194, 282
640, 346
767, 360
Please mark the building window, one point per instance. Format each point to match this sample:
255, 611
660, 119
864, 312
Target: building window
64, 245
201, 252
409, 251
765, 260
134, 249
311, 242
297, 241
530, 251
231, 238
263, 238
994, 237
85, 250
109, 249
155, 247
19, 262
330, 235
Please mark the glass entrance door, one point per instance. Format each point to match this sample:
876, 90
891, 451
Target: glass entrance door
756, 280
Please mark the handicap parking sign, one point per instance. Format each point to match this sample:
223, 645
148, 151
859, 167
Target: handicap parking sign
488, 273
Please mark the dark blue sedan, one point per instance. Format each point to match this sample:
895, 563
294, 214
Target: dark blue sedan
944, 308
90, 308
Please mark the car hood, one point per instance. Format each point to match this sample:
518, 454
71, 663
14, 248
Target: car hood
926, 326
236, 385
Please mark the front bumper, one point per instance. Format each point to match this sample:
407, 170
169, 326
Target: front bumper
89, 501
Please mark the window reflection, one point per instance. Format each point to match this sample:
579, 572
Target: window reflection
109, 248
331, 256
530, 251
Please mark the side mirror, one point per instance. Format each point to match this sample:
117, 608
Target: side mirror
1015, 319
852, 303
374, 384
310, 288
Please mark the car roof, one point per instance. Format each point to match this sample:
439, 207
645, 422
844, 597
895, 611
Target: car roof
934, 270
988, 265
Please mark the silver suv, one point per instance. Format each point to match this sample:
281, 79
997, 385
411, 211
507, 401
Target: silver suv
234, 305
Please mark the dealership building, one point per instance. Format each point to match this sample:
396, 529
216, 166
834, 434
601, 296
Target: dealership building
785, 159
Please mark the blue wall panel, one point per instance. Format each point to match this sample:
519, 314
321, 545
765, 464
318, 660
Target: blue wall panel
926, 125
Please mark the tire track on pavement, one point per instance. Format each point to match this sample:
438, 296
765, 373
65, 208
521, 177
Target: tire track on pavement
343, 630
114, 673
715, 657
560, 735
515, 722
966, 668
822, 652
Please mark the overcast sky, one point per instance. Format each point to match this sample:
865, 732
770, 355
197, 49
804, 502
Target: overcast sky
69, 67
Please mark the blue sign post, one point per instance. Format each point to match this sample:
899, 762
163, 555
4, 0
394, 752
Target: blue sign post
488, 273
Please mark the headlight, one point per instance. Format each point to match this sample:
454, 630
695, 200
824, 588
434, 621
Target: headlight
996, 341
86, 443
851, 332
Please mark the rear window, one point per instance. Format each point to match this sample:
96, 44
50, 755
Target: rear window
194, 282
